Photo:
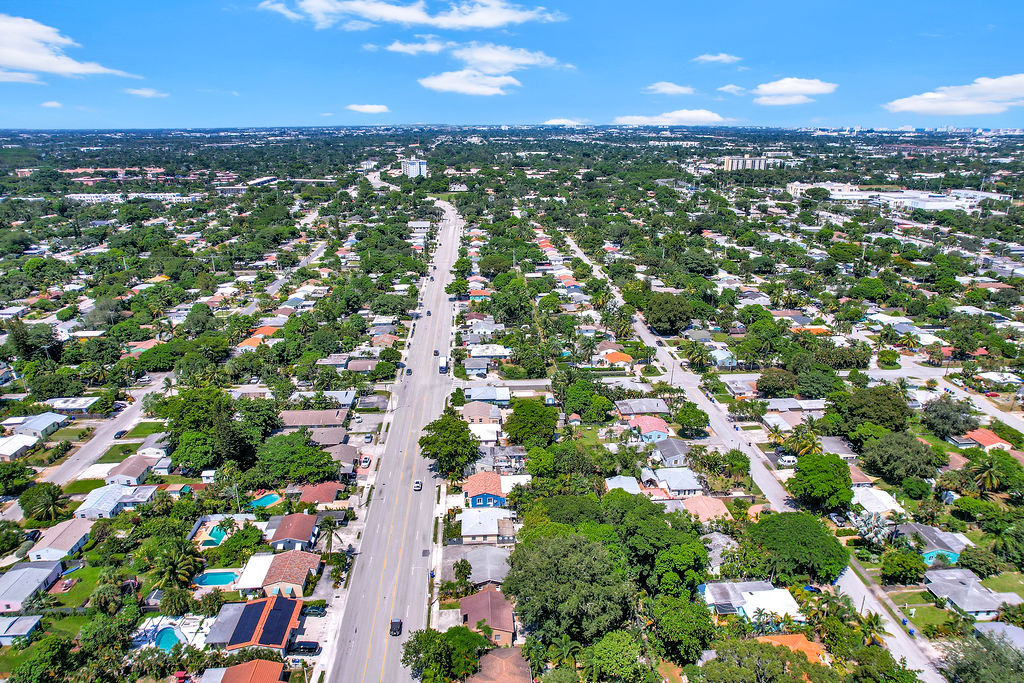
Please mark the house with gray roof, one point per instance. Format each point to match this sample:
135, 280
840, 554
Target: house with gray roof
1013, 635
679, 482
42, 425
641, 406
728, 597
24, 580
963, 588
672, 452
155, 446
935, 542
627, 484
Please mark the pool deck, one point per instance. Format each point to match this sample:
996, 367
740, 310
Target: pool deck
230, 586
191, 629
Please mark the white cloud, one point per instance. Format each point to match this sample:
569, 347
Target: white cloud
145, 92
782, 100
52, 104
787, 91
469, 82
720, 58
357, 25
500, 59
29, 47
369, 108
327, 113
732, 89
983, 96
428, 44
562, 122
468, 14
668, 88
282, 9
679, 117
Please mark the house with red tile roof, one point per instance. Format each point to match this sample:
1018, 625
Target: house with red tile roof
483, 489
650, 427
254, 671
494, 609
296, 531
288, 573
503, 665
987, 439
264, 623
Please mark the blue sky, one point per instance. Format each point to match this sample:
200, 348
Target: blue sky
220, 63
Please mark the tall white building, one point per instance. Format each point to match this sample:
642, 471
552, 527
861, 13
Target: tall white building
414, 168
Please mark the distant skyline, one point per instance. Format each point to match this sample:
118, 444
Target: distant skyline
227, 63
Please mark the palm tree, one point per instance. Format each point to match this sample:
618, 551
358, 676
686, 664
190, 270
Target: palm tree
45, 502
776, 436
872, 629
564, 650
698, 355
535, 654
986, 475
327, 526
909, 340
177, 564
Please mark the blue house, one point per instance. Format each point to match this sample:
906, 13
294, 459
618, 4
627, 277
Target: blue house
935, 542
483, 490
723, 358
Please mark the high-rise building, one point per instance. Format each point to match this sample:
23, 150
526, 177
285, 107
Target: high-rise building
745, 163
414, 168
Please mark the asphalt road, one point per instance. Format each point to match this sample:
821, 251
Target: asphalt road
918, 652
102, 438
391, 573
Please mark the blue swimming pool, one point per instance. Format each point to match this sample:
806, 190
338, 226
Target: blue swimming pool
265, 500
217, 536
216, 578
166, 638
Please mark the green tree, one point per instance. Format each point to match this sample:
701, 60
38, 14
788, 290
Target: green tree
748, 661
796, 543
567, 584
947, 417
617, 655
450, 444
667, 313
983, 659
822, 481
684, 627
290, 458
903, 566
44, 502
898, 455
692, 421
195, 452
531, 424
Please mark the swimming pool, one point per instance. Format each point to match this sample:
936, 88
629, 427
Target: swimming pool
216, 578
265, 500
166, 638
217, 535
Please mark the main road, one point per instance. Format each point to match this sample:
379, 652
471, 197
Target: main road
391, 573
918, 652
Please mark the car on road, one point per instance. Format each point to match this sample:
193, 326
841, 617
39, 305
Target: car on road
365, 462
659, 342
120, 433
436, 352
408, 371
417, 485
396, 627
428, 314
368, 438
992, 394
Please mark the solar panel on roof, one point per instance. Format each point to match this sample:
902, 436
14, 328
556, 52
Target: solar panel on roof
247, 623
275, 628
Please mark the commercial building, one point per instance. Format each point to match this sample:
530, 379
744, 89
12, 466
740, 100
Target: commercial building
414, 168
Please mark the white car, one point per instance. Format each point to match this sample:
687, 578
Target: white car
787, 461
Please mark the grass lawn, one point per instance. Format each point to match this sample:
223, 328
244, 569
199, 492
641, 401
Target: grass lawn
919, 430
720, 336
1007, 582
144, 429
651, 371
81, 591
588, 436
725, 399
118, 452
66, 434
750, 428
912, 598
924, 616
82, 486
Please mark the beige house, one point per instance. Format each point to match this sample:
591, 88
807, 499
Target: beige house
480, 413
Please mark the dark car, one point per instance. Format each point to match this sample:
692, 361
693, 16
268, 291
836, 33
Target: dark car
121, 432
396, 627
33, 535
408, 371
304, 647
428, 314
659, 342
314, 611
435, 352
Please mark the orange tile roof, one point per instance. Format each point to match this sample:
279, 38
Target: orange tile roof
706, 508
251, 342
618, 357
266, 331
255, 671
483, 482
986, 437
